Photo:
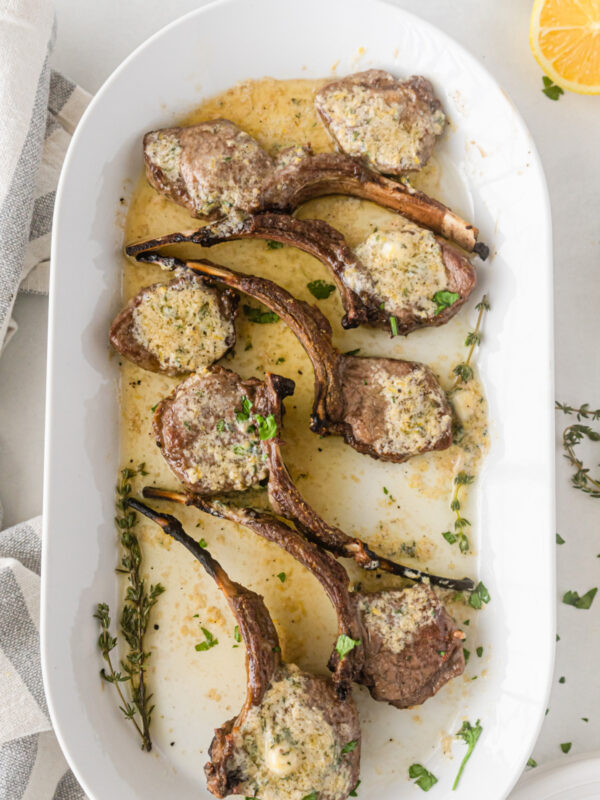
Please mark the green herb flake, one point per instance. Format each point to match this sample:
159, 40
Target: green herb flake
203, 543
479, 596
466, 654
479, 651
281, 576
353, 792
221, 425
271, 245
470, 735
320, 289
345, 644
531, 762
551, 90
260, 317
348, 748
209, 641
444, 300
566, 746
267, 427
585, 719
394, 326
236, 634
449, 537
352, 352
562, 679
571, 598
559, 539
422, 777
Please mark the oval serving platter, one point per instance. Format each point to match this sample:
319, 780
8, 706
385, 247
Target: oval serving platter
494, 161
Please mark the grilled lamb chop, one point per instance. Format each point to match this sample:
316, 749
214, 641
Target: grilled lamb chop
406, 645
396, 273
385, 407
218, 434
178, 327
215, 169
291, 737
393, 125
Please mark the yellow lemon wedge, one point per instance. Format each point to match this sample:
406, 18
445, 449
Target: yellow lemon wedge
564, 36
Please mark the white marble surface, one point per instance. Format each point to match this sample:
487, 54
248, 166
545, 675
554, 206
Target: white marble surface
94, 37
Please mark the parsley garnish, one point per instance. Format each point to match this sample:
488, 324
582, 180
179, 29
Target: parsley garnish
345, 644
311, 796
260, 317
470, 734
479, 651
348, 748
353, 792
424, 779
221, 425
571, 598
320, 289
244, 414
203, 543
566, 746
444, 300
531, 762
559, 539
209, 642
281, 576
479, 596
394, 326
271, 245
551, 90
466, 654
267, 427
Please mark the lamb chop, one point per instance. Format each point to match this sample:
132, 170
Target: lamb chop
178, 327
388, 408
215, 169
294, 736
393, 125
394, 279
219, 434
404, 644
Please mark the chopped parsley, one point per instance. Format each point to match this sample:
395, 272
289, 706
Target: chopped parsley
422, 777
209, 641
244, 414
236, 634
345, 644
221, 425
260, 317
470, 735
531, 762
203, 543
479, 596
562, 679
444, 300
479, 651
394, 326
320, 289
311, 796
348, 748
353, 792
559, 539
267, 427
466, 654
272, 245
585, 601
551, 90
566, 746
281, 576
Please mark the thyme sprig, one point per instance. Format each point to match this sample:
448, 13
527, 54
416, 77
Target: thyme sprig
464, 370
135, 615
572, 436
460, 523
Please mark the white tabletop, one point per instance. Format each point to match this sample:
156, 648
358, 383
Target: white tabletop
94, 37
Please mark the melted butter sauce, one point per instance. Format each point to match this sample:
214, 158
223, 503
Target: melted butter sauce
195, 692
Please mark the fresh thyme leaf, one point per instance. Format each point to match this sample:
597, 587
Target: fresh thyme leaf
464, 372
470, 735
462, 479
260, 317
281, 576
236, 634
424, 779
348, 748
572, 436
272, 245
566, 746
449, 537
531, 762
353, 792
583, 412
444, 300
551, 90
394, 326
209, 640
559, 539
320, 289
267, 427
571, 598
345, 644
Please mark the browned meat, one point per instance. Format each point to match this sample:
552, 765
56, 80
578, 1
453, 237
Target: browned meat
211, 456
207, 435
291, 737
405, 644
387, 408
176, 327
214, 168
392, 124
397, 273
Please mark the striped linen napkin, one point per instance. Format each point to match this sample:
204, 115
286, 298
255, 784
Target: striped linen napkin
38, 113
